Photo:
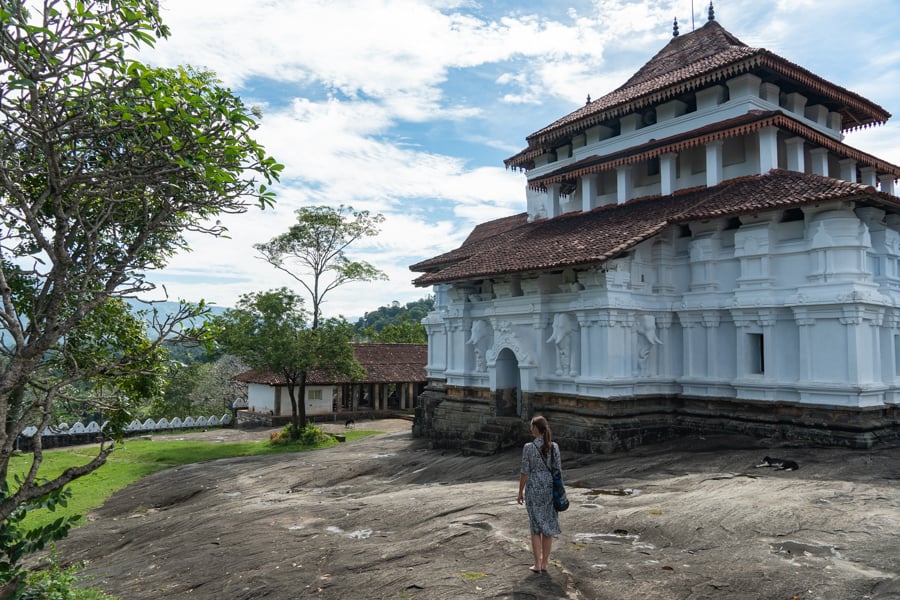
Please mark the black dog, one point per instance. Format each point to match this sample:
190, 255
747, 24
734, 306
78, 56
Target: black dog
349, 424
779, 463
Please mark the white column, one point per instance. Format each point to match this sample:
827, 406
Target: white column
670, 110
709, 98
817, 113
624, 184
868, 176
588, 191
887, 184
819, 159
848, 170
835, 121
796, 103
795, 160
713, 163
553, 209
667, 173
770, 93
743, 86
630, 123
768, 149
597, 134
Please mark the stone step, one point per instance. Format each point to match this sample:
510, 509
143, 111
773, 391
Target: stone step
494, 428
485, 445
488, 436
470, 451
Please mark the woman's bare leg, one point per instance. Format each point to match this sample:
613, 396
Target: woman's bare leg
546, 544
536, 547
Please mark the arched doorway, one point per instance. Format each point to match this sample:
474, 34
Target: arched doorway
509, 385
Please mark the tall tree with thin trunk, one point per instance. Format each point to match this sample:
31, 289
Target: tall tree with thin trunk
270, 332
313, 251
105, 164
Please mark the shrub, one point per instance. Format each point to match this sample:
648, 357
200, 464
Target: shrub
309, 436
16, 541
56, 583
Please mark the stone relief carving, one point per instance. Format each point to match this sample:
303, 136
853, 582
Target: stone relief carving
645, 325
564, 325
480, 339
506, 338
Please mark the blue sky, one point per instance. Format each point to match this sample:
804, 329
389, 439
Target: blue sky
407, 108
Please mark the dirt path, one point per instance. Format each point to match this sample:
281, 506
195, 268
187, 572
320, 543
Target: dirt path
386, 517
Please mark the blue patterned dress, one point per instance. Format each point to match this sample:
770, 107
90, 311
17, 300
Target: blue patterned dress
539, 488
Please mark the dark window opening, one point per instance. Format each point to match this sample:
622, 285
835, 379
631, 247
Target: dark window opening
756, 354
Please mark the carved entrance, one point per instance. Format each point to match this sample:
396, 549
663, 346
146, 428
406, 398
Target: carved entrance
509, 385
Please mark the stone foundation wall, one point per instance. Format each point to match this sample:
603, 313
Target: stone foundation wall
451, 416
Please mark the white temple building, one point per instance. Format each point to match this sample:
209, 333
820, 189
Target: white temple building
700, 252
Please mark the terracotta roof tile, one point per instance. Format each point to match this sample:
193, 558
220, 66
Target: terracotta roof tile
582, 239
482, 237
779, 189
383, 363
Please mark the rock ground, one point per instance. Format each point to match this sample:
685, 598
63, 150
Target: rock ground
387, 517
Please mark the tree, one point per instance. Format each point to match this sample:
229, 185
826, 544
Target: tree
316, 245
105, 164
396, 323
269, 331
401, 332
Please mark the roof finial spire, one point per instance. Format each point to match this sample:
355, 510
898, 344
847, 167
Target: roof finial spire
675, 27
712, 11
588, 99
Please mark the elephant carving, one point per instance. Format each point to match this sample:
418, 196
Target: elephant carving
480, 339
645, 325
564, 325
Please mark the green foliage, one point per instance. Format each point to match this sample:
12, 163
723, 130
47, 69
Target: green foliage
313, 251
404, 332
17, 540
200, 388
105, 165
310, 435
268, 331
396, 324
57, 583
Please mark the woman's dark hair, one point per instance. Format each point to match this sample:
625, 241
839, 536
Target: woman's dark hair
543, 427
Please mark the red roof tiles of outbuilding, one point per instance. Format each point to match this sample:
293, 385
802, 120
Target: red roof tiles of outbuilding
383, 363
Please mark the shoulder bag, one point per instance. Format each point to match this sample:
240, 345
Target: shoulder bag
560, 500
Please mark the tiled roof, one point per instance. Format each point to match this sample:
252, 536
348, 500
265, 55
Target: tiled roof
383, 363
583, 239
777, 190
689, 62
483, 238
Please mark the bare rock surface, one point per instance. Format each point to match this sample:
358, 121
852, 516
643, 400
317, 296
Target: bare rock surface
387, 517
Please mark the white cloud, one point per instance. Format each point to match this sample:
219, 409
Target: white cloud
385, 105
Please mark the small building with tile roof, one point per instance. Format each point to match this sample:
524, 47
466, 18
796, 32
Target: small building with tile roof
700, 252
394, 376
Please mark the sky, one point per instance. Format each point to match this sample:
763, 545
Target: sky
407, 108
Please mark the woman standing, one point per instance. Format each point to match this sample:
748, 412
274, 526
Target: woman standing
539, 459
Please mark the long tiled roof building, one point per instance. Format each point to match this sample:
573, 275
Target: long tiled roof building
700, 251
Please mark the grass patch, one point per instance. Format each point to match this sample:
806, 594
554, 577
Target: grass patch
136, 458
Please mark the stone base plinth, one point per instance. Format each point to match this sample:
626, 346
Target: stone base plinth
450, 417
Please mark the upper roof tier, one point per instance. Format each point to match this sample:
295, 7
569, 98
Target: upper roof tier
689, 62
